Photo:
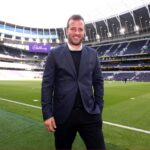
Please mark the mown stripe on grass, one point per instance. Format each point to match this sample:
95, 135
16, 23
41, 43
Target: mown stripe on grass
105, 122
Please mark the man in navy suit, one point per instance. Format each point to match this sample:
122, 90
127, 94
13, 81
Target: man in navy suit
72, 91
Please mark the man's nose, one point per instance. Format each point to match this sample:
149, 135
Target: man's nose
77, 32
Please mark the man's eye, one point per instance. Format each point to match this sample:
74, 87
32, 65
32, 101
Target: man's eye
80, 30
73, 29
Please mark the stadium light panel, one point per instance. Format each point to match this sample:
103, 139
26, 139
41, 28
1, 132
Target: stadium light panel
50, 40
38, 40
97, 37
122, 31
57, 41
136, 29
86, 38
13, 37
109, 34
2, 37
66, 40
22, 39
30, 40
44, 41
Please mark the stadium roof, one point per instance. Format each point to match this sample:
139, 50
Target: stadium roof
54, 13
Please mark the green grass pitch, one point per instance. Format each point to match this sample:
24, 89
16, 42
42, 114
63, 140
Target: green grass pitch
21, 127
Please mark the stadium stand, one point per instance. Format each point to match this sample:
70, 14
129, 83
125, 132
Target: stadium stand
122, 42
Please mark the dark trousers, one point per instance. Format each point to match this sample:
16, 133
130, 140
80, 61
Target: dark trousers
89, 126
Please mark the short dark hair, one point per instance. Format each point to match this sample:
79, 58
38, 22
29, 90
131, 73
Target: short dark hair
74, 17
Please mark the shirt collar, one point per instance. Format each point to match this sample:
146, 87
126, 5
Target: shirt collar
72, 48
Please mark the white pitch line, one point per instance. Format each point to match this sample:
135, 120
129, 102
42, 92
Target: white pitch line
3, 99
127, 127
105, 122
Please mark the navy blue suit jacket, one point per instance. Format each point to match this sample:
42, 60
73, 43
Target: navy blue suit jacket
60, 83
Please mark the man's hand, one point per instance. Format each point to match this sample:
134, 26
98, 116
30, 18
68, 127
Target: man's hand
50, 124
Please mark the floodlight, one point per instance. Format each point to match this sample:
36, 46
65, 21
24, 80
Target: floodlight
109, 34
97, 37
136, 28
2, 37
66, 40
38, 40
57, 41
50, 40
86, 38
13, 37
44, 41
22, 39
30, 40
122, 31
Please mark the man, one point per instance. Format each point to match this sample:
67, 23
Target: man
72, 91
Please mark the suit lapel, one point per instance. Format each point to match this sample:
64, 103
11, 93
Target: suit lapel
83, 61
69, 60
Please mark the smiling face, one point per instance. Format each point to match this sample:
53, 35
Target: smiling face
75, 32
